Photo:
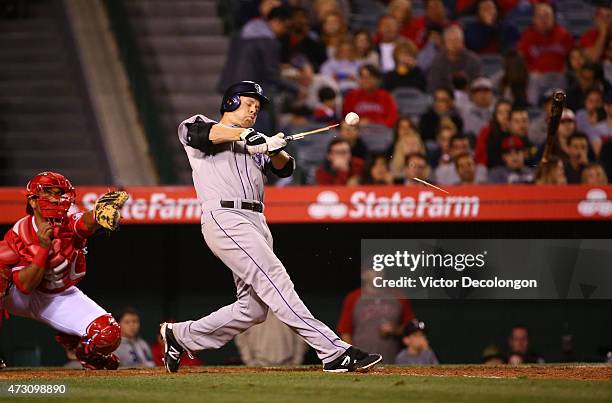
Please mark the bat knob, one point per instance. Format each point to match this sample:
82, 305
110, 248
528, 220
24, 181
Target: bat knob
559, 96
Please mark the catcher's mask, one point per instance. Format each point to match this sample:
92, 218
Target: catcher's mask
54, 194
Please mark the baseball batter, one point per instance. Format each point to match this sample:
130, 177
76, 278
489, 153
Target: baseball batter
42, 258
229, 162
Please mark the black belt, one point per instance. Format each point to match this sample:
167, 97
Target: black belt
255, 206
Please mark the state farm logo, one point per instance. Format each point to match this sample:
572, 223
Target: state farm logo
327, 205
596, 203
364, 204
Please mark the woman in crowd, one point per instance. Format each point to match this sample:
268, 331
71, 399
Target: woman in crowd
333, 31
490, 137
377, 171
407, 141
514, 78
364, 48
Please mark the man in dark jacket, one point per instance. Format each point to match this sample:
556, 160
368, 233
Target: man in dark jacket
255, 55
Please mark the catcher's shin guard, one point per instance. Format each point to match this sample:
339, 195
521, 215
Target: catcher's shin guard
95, 349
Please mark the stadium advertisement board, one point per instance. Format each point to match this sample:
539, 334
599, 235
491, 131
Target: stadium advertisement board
312, 204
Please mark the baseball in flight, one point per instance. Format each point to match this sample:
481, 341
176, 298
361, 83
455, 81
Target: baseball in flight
351, 118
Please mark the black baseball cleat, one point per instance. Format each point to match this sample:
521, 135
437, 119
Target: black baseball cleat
353, 360
172, 350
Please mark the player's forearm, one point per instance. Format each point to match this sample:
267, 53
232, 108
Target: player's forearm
280, 160
30, 277
90, 222
223, 134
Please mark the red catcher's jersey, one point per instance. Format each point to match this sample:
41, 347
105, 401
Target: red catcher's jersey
66, 264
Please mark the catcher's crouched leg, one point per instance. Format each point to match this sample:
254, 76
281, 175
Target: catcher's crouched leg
95, 350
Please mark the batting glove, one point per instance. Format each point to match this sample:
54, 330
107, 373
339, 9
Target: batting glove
276, 144
255, 142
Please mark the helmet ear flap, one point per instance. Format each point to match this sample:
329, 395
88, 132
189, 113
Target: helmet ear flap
232, 103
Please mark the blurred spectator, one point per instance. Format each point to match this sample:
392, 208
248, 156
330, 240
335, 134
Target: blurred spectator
417, 351
297, 109
311, 83
401, 10
588, 118
416, 166
603, 130
418, 30
256, 56
477, 112
545, 45
446, 173
574, 63
133, 350
489, 33
551, 172
519, 126
465, 166
340, 167
586, 80
514, 169
364, 48
577, 148
343, 67
439, 154
490, 137
373, 104
593, 41
518, 345
406, 72
387, 34
322, 8
442, 109
157, 351
302, 41
607, 64
539, 125
594, 174
249, 10
492, 355
406, 141
325, 112
453, 59
377, 171
350, 134
567, 126
372, 321
431, 50
270, 343
333, 30
513, 80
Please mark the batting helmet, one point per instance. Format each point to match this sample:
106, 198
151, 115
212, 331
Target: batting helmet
231, 98
51, 209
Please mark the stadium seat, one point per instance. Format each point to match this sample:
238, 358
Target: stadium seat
411, 102
377, 138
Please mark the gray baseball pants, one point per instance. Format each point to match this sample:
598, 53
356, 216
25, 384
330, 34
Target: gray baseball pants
242, 240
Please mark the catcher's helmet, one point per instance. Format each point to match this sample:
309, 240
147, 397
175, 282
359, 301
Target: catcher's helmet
231, 97
53, 208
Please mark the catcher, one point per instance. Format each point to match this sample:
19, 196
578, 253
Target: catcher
42, 258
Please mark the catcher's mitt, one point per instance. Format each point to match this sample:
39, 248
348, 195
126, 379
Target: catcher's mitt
106, 209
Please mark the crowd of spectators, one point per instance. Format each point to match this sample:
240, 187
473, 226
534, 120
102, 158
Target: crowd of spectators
475, 125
